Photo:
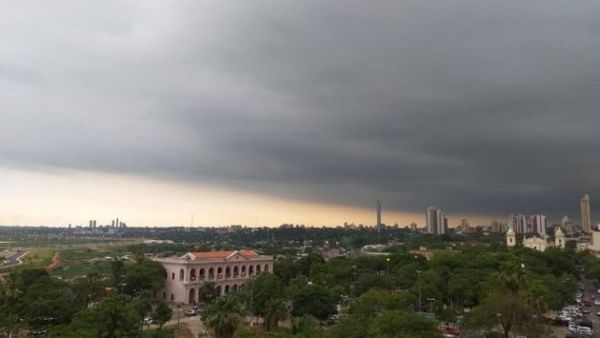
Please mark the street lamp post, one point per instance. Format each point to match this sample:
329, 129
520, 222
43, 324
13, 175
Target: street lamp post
419, 278
178, 315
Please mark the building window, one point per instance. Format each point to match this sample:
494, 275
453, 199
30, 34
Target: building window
266, 267
193, 275
172, 297
181, 274
173, 276
211, 273
164, 295
201, 274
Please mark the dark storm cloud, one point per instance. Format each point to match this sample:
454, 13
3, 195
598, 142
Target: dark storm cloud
477, 107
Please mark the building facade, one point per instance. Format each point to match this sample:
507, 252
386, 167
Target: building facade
437, 223
537, 243
518, 223
229, 270
533, 224
586, 217
538, 223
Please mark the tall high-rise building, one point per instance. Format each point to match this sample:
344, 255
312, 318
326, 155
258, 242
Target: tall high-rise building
465, 226
586, 217
378, 207
518, 223
436, 220
538, 223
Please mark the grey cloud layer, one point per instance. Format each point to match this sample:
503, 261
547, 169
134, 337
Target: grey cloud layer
477, 107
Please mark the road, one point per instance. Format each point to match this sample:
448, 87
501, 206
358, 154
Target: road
591, 291
13, 259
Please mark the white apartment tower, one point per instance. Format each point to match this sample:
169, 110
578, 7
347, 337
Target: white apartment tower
437, 223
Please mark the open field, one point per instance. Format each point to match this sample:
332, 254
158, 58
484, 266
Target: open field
37, 258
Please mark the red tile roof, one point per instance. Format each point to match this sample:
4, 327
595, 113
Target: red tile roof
223, 254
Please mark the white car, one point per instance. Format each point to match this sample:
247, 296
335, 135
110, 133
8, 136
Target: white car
597, 302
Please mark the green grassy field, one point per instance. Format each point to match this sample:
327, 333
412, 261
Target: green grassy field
39, 258
87, 253
70, 271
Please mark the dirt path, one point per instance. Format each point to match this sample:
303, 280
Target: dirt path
55, 261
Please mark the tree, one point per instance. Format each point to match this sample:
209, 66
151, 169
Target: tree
161, 314
264, 289
143, 276
395, 323
114, 317
47, 303
224, 316
509, 311
314, 300
90, 288
209, 292
276, 310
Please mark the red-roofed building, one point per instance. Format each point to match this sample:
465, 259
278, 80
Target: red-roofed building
229, 270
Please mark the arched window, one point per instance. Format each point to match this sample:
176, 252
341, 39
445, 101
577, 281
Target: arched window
172, 297
258, 269
181, 274
201, 274
226, 288
211, 273
219, 290
235, 272
266, 267
227, 272
193, 275
243, 271
251, 270
173, 276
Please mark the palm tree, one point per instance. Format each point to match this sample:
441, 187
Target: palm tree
276, 311
224, 316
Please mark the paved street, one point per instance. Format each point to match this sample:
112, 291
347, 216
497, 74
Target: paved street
591, 291
13, 259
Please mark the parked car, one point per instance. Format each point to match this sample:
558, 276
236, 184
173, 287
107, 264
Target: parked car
192, 312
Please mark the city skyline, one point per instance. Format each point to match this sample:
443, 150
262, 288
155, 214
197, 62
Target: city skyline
263, 114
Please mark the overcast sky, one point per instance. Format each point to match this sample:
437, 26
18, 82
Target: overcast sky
478, 107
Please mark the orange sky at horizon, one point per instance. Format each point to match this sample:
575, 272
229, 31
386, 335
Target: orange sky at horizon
62, 197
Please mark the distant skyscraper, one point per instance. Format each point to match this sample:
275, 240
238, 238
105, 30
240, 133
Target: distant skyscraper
586, 217
378, 207
538, 223
464, 225
437, 223
518, 223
